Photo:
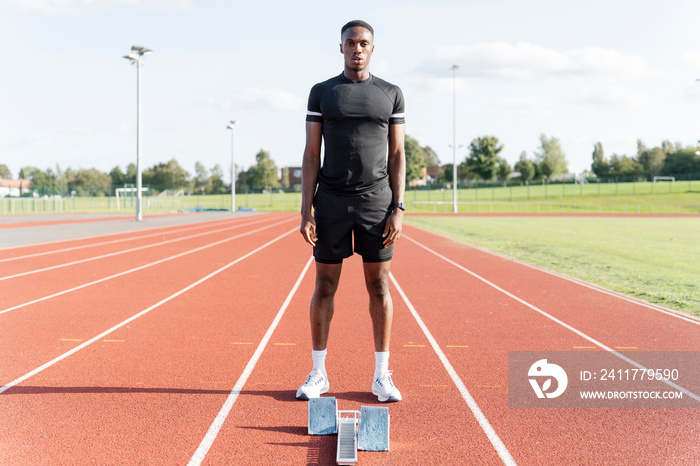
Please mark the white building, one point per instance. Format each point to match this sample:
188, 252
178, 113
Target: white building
14, 188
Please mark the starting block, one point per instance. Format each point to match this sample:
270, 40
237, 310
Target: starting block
367, 429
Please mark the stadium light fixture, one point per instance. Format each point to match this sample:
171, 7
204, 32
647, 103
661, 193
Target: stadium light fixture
136, 56
233, 170
454, 138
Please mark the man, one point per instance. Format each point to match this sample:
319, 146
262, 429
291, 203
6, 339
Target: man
360, 194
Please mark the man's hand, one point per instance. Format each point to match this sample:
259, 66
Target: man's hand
308, 229
392, 230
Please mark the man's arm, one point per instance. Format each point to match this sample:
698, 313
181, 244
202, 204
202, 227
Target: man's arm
396, 163
310, 165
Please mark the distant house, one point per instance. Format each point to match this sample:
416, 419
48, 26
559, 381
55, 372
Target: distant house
293, 175
422, 181
432, 173
14, 188
429, 176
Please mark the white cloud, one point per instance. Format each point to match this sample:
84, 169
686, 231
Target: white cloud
275, 99
684, 72
687, 63
78, 7
691, 92
525, 106
526, 61
443, 86
608, 96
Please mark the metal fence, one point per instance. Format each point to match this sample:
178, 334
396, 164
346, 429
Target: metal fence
553, 208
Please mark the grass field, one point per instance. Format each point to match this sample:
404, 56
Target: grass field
639, 197
655, 259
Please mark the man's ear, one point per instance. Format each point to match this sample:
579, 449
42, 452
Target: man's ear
341, 48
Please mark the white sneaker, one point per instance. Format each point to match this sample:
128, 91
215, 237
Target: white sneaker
316, 385
384, 388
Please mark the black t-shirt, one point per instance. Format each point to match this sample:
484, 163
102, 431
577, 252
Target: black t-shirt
356, 116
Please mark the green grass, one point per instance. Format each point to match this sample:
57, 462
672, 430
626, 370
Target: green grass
639, 197
655, 259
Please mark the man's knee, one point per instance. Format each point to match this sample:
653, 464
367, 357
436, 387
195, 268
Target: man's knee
325, 287
378, 287
327, 278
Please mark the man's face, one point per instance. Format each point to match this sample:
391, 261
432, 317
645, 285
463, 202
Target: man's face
357, 48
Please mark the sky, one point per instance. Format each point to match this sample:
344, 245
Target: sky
609, 71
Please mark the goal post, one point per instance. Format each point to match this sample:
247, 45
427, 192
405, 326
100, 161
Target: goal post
125, 191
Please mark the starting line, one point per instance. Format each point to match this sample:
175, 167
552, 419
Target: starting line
367, 429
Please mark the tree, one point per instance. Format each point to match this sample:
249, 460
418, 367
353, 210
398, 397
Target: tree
641, 147
600, 166
201, 177
681, 162
621, 165
166, 176
550, 157
447, 173
483, 156
215, 183
37, 176
415, 160
86, 182
242, 181
667, 147
546, 169
652, 160
430, 156
118, 177
525, 167
503, 170
5, 172
130, 176
263, 175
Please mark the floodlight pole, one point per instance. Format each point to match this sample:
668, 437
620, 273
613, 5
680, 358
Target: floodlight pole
454, 138
139, 180
233, 170
136, 55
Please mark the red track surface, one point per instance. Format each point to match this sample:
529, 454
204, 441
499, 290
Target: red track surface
66, 220
202, 300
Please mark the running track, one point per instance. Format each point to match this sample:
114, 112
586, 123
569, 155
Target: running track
185, 345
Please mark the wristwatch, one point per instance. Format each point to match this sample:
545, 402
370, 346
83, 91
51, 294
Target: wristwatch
400, 205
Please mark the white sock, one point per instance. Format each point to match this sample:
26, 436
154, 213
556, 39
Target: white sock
381, 361
319, 358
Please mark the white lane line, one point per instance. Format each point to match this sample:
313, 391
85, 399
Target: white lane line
551, 317
125, 251
215, 427
151, 264
136, 316
161, 231
578, 281
493, 437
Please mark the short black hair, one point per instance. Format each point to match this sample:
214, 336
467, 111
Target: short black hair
356, 23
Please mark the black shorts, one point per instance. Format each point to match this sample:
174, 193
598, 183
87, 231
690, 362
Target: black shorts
339, 218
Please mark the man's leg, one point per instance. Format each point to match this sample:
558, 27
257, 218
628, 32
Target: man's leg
380, 306
322, 303
321, 313
382, 311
